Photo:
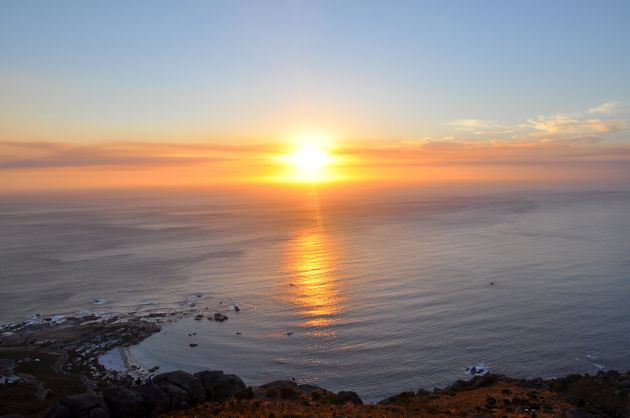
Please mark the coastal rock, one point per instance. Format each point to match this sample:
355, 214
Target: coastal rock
278, 384
219, 386
155, 397
601, 392
228, 385
579, 413
86, 406
174, 383
178, 397
457, 385
285, 389
478, 370
310, 389
58, 411
209, 379
123, 402
219, 317
401, 397
349, 396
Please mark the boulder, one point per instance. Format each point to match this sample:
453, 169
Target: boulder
123, 402
185, 381
219, 386
228, 385
99, 413
349, 396
278, 384
219, 317
58, 411
402, 397
209, 379
310, 389
285, 389
86, 406
457, 385
178, 397
579, 413
156, 399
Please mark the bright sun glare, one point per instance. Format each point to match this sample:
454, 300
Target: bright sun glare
310, 159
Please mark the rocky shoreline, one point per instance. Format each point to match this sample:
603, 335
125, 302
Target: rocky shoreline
51, 368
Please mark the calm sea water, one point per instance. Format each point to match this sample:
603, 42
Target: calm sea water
382, 292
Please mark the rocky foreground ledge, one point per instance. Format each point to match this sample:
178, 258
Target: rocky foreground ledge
53, 370
213, 393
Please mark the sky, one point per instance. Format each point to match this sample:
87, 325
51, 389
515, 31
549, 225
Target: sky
200, 89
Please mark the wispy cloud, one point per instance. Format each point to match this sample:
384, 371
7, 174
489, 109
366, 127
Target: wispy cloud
604, 108
567, 124
595, 120
481, 127
473, 124
23, 155
427, 151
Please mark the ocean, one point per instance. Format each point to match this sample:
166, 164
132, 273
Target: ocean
372, 291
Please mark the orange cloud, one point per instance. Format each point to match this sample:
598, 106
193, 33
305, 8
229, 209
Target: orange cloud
47, 165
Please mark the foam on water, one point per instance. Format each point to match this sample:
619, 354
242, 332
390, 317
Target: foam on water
478, 369
100, 301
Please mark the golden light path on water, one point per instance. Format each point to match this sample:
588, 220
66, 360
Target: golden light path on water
311, 270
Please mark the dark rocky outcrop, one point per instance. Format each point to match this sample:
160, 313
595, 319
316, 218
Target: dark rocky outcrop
172, 390
219, 317
219, 386
157, 399
124, 402
178, 381
607, 392
80, 406
349, 396
282, 389
579, 413
278, 384
310, 389
58, 411
474, 383
575, 396
209, 379
178, 397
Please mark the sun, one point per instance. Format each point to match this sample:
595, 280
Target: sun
310, 159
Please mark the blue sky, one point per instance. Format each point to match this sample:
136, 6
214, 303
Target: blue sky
257, 71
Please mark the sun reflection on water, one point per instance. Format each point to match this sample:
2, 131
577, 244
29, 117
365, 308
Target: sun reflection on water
311, 267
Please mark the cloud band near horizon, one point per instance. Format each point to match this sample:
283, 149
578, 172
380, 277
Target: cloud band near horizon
25, 165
